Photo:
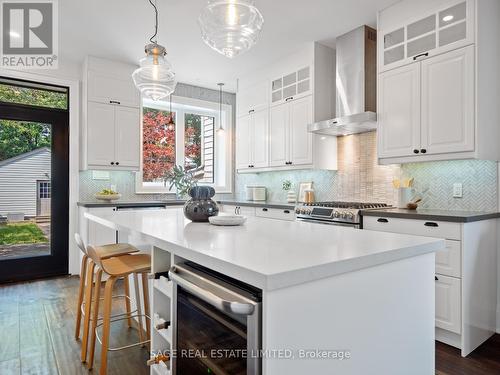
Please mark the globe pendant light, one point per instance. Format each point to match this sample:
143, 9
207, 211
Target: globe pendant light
230, 27
155, 77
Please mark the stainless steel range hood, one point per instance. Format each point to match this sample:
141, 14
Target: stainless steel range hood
356, 80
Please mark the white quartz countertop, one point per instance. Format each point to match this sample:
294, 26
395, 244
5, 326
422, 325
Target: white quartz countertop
268, 253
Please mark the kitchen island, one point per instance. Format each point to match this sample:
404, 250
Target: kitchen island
334, 299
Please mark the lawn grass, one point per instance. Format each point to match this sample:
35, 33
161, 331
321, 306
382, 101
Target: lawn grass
21, 233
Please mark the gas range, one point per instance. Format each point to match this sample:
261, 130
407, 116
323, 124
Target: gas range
336, 213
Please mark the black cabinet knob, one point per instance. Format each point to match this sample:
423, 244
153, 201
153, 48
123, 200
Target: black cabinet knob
423, 151
117, 163
264, 209
416, 151
112, 163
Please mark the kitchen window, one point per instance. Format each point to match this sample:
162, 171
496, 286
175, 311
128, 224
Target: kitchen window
190, 140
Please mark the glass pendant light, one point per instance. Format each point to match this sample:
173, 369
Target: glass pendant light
155, 77
220, 128
230, 26
171, 122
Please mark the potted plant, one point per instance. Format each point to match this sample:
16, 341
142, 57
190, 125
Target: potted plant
200, 206
291, 197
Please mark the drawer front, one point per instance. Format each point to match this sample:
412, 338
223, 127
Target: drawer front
448, 303
449, 259
427, 228
275, 213
237, 210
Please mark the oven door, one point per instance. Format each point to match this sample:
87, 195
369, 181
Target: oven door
217, 328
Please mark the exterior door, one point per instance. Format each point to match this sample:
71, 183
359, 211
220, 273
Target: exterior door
43, 198
301, 151
399, 112
448, 102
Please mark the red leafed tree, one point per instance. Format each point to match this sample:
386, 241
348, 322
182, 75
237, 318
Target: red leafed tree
158, 144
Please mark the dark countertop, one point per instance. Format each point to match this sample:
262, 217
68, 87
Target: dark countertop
269, 204
427, 214
119, 203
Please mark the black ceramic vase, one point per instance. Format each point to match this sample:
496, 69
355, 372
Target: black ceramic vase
200, 207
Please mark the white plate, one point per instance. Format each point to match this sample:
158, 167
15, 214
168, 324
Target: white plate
227, 220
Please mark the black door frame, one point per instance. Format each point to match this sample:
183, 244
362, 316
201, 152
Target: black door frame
56, 263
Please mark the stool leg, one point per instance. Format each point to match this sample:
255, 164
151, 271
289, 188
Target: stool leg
138, 304
81, 289
108, 299
95, 317
88, 303
126, 286
145, 292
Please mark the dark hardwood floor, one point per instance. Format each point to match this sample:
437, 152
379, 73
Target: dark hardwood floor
36, 337
37, 321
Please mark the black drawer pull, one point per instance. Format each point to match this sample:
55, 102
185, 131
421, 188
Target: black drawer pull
251, 111
436, 278
289, 98
286, 211
265, 209
114, 102
421, 55
431, 224
382, 220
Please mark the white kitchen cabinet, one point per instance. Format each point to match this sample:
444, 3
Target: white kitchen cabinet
111, 114
438, 28
237, 210
448, 304
287, 214
399, 111
95, 234
451, 48
252, 149
252, 99
291, 85
290, 142
113, 136
448, 102
465, 270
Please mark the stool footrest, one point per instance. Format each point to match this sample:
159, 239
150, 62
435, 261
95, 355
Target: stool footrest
141, 343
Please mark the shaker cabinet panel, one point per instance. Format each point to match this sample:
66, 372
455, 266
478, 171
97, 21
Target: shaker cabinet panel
127, 137
399, 111
278, 135
243, 142
448, 102
301, 151
100, 134
259, 144
448, 303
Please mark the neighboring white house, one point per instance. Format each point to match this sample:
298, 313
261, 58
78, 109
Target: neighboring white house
25, 183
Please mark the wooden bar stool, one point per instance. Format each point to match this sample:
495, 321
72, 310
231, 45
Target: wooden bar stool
116, 268
87, 270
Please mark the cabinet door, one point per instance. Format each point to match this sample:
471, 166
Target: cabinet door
399, 112
260, 136
301, 151
448, 102
252, 99
243, 142
99, 234
109, 89
448, 303
100, 134
127, 137
278, 135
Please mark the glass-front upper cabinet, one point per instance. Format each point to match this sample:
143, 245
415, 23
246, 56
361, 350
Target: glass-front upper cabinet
427, 35
291, 86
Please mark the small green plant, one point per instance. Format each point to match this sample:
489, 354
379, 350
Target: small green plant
183, 179
287, 185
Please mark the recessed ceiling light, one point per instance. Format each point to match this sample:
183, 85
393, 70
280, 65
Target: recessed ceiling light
14, 34
448, 18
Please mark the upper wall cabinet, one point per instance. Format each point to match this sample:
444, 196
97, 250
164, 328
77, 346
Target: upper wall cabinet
299, 89
111, 126
439, 102
444, 29
252, 99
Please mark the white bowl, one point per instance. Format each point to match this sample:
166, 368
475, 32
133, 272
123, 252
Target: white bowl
108, 197
227, 220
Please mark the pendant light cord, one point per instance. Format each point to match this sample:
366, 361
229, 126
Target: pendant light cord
153, 38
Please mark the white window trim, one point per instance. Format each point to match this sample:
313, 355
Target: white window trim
202, 107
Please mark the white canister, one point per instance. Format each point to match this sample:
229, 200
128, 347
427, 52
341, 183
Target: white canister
405, 195
259, 193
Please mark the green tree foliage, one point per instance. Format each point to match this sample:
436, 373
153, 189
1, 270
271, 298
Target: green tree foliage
35, 97
193, 141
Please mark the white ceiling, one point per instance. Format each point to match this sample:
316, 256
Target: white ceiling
119, 29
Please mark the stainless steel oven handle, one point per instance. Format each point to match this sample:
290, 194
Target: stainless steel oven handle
231, 307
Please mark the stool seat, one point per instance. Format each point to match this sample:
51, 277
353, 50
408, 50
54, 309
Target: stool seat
114, 250
126, 264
